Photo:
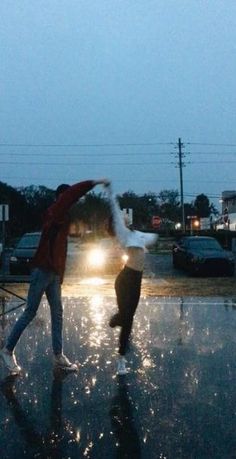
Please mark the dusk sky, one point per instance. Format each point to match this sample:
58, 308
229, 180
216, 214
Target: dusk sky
104, 88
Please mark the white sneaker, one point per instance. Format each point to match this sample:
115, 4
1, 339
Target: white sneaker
62, 362
121, 366
10, 361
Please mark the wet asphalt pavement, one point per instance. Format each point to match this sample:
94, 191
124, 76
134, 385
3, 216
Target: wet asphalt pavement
178, 400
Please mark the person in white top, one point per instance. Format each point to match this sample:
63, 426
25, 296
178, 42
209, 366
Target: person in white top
128, 281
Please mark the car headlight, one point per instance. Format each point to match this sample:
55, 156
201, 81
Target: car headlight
124, 258
13, 259
96, 258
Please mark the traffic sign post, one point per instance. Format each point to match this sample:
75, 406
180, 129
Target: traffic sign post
226, 215
4, 217
156, 221
192, 218
4, 212
128, 215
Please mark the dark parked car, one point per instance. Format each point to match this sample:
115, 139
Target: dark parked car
202, 255
21, 257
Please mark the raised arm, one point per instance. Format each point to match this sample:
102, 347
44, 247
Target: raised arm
121, 231
150, 239
70, 196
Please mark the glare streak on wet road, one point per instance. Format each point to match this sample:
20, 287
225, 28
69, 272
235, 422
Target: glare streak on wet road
178, 400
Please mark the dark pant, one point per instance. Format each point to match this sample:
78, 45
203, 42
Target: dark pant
128, 288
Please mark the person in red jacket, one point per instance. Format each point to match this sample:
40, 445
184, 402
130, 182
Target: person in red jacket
47, 275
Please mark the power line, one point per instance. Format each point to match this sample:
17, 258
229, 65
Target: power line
72, 145
119, 155
53, 177
38, 159
212, 181
196, 194
84, 164
60, 145
213, 162
90, 154
213, 152
212, 144
111, 154
138, 180
143, 163
188, 195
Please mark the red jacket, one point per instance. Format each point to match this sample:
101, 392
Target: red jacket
52, 249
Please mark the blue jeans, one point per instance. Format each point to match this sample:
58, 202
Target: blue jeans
41, 282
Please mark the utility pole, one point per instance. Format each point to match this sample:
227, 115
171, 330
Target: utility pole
180, 145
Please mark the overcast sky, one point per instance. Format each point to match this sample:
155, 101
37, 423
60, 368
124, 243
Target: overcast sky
111, 85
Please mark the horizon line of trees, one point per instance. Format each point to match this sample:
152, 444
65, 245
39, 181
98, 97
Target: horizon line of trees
28, 204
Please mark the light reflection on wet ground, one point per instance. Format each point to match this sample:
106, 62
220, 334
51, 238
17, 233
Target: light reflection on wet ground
178, 401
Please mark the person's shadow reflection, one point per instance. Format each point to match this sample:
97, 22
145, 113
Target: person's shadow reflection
123, 423
49, 444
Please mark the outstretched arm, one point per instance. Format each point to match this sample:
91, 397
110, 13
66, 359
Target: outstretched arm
150, 239
102, 181
71, 195
121, 231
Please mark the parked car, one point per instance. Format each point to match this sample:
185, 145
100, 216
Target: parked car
21, 257
202, 255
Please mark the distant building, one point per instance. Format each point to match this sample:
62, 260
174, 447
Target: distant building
227, 219
128, 215
205, 223
229, 201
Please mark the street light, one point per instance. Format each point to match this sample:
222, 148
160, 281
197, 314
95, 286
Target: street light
194, 222
178, 226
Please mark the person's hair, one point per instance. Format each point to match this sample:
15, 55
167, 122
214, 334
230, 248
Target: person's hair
61, 188
110, 226
131, 227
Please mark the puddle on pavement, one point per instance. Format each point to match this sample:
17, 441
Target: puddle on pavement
178, 400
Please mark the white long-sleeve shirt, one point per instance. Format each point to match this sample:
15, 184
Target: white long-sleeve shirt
135, 242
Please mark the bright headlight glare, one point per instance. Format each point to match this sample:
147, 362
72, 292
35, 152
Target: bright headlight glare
96, 257
13, 259
125, 257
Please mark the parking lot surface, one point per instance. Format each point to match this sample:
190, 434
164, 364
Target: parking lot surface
177, 401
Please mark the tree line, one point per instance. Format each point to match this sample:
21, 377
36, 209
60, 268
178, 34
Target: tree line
28, 204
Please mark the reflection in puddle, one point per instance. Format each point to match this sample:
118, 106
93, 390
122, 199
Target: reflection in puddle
123, 423
92, 281
97, 329
178, 401
43, 441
